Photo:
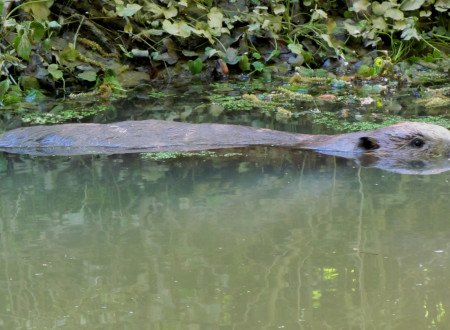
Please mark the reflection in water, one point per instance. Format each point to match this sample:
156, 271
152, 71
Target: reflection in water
274, 239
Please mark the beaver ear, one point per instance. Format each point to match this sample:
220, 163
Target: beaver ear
368, 143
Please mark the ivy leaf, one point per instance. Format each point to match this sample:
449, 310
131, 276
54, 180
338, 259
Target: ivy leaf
318, 13
394, 13
411, 5
400, 25
244, 64
279, 9
170, 12
180, 28
88, 75
296, 48
9, 23
54, 25
127, 11
380, 24
354, 29
40, 10
215, 18
258, 66
442, 5
54, 72
211, 51
380, 9
38, 31
195, 66
425, 13
409, 33
256, 55
360, 5
29, 83
231, 56
23, 46
4, 86
128, 28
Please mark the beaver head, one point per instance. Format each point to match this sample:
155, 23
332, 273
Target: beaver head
402, 142
407, 140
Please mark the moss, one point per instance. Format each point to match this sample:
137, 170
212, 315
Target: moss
60, 115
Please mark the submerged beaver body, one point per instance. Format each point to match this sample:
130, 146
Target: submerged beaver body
402, 142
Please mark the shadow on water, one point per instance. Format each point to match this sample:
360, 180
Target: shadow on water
266, 239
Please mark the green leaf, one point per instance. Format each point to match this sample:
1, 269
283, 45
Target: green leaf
379, 23
127, 11
23, 46
366, 71
258, 66
170, 12
354, 29
442, 5
256, 55
414, 59
395, 14
231, 56
411, 5
380, 9
215, 18
180, 28
47, 44
296, 48
274, 53
318, 13
307, 56
244, 64
54, 72
211, 51
279, 9
54, 25
360, 5
9, 23
88, 75
4, 86
29, 83
70, 53
409, 33
38, 31
195, 66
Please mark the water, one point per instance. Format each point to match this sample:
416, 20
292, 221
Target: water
270, 239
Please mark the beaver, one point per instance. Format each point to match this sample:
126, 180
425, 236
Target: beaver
402, 141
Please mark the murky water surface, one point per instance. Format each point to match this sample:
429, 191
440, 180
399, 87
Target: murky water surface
266, 240
254, 239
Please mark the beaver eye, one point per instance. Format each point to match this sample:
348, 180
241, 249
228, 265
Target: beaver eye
417, 142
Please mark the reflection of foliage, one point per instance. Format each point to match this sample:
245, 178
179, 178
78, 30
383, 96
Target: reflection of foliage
297, 239
331, 120
176, 154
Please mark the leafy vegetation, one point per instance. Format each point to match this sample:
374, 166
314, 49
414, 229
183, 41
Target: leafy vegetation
47, 46
249, 36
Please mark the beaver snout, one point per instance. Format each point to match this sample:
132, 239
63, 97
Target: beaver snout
407, 140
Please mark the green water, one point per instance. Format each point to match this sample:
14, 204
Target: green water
271, 239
